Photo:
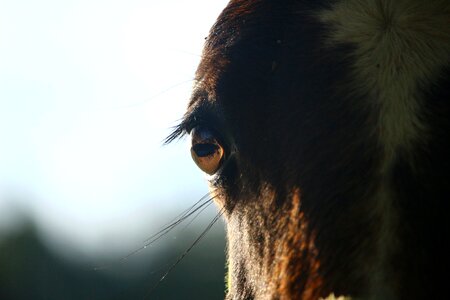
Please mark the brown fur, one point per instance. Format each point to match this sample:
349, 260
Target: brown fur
297, 255
334, 117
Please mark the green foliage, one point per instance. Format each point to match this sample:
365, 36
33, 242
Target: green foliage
29, 270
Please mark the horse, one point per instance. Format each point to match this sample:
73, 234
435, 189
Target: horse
324, 129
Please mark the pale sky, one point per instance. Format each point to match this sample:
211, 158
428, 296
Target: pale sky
88, 91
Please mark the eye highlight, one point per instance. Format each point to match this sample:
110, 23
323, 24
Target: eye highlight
206, 151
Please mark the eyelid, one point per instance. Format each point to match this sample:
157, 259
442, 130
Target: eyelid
203, 112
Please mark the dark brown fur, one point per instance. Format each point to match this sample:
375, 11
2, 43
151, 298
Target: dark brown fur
303, 162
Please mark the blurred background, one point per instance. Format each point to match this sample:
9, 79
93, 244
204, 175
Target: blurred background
89, 89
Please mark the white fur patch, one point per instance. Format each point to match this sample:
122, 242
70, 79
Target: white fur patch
400, 46
333, 297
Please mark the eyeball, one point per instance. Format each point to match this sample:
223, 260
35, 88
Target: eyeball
206, 151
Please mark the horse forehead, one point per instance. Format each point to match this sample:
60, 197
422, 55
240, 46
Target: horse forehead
242, 43
250, 37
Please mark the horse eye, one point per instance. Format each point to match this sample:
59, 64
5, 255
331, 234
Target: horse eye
206, 151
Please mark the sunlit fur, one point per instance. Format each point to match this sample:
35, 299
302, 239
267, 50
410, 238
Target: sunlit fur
335, 121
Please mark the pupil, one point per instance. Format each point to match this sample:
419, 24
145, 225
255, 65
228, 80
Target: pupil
202, 150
